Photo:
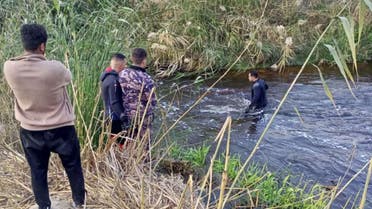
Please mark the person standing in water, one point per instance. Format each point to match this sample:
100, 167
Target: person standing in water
43, 108
258, 93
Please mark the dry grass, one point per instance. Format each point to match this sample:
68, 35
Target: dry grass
114, 178
118, 182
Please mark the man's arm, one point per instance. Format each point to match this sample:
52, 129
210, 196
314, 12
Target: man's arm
257, 92
148, 95
116, 103
64, 77
68, 76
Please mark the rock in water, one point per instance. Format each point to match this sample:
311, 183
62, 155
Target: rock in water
274, 67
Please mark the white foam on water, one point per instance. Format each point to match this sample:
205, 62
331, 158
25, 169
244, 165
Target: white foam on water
219, 109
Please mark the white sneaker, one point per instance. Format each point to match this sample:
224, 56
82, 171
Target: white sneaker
75, 206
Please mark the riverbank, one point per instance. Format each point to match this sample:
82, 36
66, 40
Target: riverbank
264, 189
111, 180
116, 179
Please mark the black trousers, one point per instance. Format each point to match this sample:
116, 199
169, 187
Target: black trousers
38, 145
117, 127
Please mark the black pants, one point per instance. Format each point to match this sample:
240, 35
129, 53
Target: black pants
38, 145
116, 127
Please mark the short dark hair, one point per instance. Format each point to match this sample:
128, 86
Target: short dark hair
253, 73
118, 56
138, 55
33, 35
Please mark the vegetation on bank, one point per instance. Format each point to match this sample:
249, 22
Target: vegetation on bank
266, 189
183, 37
187, 36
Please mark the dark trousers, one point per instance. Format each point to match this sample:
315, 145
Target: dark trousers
117, 127
38, 145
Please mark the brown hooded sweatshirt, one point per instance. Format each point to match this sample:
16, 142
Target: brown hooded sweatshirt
39, 86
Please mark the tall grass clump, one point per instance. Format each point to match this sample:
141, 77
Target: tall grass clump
195, 36
196, 156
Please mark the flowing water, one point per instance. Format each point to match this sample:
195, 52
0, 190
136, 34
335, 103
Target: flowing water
322, 143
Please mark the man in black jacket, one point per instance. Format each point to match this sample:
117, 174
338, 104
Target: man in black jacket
112, 94
259, 87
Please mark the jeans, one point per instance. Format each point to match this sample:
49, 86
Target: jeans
38, 145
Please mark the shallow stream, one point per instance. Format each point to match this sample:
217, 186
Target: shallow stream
320, 143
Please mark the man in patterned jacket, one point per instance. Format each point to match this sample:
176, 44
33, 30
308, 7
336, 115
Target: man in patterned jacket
139, 98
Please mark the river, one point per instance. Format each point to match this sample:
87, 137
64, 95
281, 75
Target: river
320, 144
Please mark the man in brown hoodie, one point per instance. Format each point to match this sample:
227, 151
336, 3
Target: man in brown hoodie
43, 108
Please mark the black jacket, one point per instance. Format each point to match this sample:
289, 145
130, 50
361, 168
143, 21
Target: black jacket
259, 100
112, 95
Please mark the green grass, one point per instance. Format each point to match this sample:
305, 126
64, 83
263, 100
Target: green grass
268, 190
233, 166
265, 189
195, 155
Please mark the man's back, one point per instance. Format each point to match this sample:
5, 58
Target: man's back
137, 85
43, 107
39, 86
259, 99
111, 94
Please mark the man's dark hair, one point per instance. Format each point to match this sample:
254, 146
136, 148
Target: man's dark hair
138, 55
118, 56
33, 35
254, 73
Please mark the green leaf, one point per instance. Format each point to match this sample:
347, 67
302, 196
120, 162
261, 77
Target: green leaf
349, 31
365, 191
340, 66
298, 114
56, 5
325, 86
361, 19
344, 64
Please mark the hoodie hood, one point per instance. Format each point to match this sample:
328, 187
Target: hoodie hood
105, 74
108, 69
